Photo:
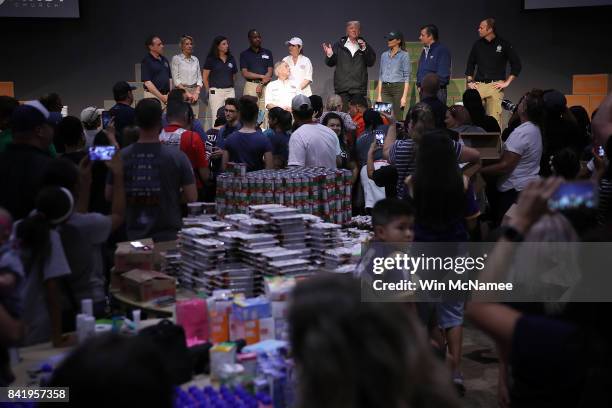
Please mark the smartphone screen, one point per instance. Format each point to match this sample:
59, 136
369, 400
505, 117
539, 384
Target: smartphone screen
383, 107
101, 153
601, 152
380, 137
106, 118
575, 194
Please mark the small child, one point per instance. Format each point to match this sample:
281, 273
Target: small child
393, 223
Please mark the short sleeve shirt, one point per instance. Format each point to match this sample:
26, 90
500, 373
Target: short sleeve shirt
526, 141
156, 71
314, 145
221, 73
256, 62
82, 237
248, 148
154, 175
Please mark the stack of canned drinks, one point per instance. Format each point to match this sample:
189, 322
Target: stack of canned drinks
311, 190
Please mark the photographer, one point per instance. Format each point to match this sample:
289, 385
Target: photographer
520, 161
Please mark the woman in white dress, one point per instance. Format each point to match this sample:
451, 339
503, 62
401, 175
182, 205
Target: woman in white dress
300, 66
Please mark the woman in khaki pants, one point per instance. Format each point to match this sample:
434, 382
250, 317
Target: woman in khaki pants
219, 74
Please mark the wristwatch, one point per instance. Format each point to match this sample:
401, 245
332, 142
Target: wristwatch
511, 234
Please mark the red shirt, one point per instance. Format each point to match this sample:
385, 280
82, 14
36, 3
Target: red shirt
191, 144
360, 123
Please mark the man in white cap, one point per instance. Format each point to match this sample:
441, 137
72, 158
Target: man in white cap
312, 144
300, 66
90, 117
280, 93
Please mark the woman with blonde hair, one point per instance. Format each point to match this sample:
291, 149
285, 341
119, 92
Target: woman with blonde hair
186, 73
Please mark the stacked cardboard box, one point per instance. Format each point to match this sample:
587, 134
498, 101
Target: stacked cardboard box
589, 91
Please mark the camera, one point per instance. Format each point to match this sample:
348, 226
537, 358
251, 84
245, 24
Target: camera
508, 105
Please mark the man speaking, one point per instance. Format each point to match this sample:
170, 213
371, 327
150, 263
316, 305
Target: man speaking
351, 56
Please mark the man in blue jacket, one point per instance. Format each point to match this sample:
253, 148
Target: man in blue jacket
435, 58
351, 56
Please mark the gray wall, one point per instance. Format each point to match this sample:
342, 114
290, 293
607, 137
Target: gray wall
82, 58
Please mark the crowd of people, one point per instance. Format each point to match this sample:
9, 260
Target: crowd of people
62, 212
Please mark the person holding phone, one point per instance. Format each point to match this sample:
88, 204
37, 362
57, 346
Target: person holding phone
299, 65
520, 161
186, 73
394, 76
351, 56
219, 73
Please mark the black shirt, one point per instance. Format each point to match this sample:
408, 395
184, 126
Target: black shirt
439, 110
156, 71
124, 116
490, 60
21, 171
256, 62
221, 73
386, 177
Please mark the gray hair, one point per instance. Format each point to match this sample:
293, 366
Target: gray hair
277, 66
353, 22
333, 102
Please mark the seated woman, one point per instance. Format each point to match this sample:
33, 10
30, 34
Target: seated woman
350, 353
520, 161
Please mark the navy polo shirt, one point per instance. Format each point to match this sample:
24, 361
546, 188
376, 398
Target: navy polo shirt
256, 62
124, 116
156, 71
221, 73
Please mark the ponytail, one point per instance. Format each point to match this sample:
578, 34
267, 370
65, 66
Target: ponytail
54, 205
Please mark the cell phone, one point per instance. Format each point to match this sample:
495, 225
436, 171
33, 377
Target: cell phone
380, 137
106, 118
600, 151
573, 195
102, 153
383, 107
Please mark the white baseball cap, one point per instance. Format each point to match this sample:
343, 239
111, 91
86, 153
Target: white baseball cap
89, 114
294, 41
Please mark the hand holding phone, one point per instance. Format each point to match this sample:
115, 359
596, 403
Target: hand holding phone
574, 194
102, 153
383, 107
380, 137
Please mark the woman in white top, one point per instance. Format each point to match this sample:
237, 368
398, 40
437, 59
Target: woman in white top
280, 93
520, 161
300, 66
186, 73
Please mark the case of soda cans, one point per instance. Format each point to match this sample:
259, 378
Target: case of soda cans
310, 190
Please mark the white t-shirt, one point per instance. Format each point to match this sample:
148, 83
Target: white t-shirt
526, 141
313, 145
280, 93
300, 71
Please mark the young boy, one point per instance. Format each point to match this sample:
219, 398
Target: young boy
393, 222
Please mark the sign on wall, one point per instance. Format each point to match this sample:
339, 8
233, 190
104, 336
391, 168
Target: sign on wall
40, 8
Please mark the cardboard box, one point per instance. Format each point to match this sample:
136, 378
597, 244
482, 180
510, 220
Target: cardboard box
578, 100
143, 285
128, 257
158, 249
488, 144
596, 84
251, 309
594, 102
7, 89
